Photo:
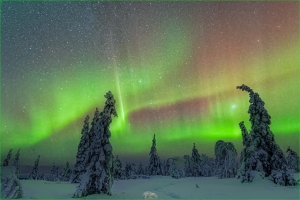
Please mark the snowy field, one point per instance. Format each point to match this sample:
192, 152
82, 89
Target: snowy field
169, 188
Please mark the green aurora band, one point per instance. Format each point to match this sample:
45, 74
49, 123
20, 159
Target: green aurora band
199, 106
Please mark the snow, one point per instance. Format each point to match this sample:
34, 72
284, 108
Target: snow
166, 187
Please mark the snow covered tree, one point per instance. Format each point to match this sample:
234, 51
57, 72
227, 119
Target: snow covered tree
84, 144
261, 153
7, 159
196, 159
187, 166
42, 177
118, 172
34, 174
174, 171
293, 160
55, 174
155, 167
164, 168
98, 177
147, 172
67, 172
128, 170
140, 170
206, 167
226, 166
167, 168
16, 164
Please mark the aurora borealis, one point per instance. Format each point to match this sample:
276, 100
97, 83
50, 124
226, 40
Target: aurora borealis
173, 68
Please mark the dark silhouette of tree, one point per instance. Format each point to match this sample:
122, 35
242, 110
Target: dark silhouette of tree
17, 164
7, 159
34, 174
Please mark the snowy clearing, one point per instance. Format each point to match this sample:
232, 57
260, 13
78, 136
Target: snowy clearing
168, 188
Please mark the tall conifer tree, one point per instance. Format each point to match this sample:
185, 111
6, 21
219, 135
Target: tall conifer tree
81, 156
34, 173
7, 159
98, 177
195, 164
17, 164
261, 153
154, 167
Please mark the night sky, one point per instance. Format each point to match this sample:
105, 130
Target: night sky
173, 68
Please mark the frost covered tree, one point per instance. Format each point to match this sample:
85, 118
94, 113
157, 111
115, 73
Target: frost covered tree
261, 153
226, 165
16, 163
42, 177
7, 159
206, 166
55, 174
164, 168
154, 167
118, 172
84, 144
167, 168
98, 177
67, 172
187, 166
196, 159
174, 171
34, 173
140, 169
128, 170
293, 160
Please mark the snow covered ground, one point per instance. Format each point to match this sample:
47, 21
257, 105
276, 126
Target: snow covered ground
169, 188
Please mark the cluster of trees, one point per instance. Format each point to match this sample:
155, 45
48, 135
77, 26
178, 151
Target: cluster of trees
224, 166
95, 169
55, 175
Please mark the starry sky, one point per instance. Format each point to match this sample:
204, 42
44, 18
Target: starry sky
173, 68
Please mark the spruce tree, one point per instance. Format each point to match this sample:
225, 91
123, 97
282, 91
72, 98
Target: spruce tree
7, 159
140, 170
98, 177
261, 153
128, 170
67, 172
196, 159
34, 173
83, 146
56, 173
293, 160
167, 168
187, 166
17, 164
42, 177
164, 168
118, 172
206, 167
226, 166
155, 167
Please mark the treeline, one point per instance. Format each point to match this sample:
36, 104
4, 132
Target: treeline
96, 169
